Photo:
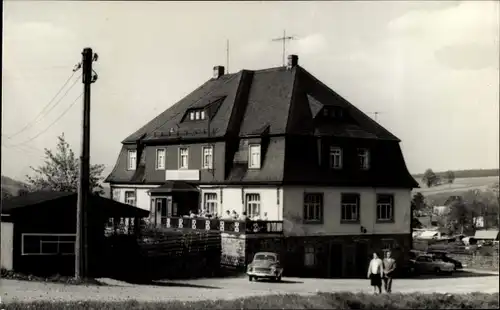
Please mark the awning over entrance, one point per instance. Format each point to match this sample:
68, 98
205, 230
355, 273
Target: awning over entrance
174, 187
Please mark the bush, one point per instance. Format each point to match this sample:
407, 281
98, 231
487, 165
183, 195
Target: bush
9, 274
319, 301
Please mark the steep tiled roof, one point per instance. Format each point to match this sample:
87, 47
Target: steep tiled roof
284, 99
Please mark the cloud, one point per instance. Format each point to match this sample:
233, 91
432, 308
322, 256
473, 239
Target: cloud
312, 44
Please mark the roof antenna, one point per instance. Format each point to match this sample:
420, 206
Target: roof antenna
284, 38
227, 56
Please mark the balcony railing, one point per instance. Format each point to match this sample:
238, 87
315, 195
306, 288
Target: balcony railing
222, 225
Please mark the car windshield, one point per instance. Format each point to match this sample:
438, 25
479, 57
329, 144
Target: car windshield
265, 257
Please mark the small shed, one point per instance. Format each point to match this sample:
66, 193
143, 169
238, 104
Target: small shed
486, 235
44, 230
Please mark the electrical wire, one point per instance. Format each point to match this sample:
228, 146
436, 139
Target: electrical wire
44, 112
52, 124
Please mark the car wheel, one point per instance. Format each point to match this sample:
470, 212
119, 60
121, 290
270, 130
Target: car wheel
250, 278
278, 279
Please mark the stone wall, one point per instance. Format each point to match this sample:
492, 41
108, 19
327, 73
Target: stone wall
480, 262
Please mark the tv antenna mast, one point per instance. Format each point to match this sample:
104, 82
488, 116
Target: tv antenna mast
227, 56
284, 39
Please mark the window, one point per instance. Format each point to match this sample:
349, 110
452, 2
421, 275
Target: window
183, 158
364, 159
191, 116
160, 159
252, 206
48, 244
202, 114
207, 157
385, 207
309, 256
254, 156
197, 115
313, 207
132, 159
325, 112
211, 202
335, 157
350, 207
130, 198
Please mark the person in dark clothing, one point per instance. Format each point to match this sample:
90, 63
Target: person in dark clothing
389, 267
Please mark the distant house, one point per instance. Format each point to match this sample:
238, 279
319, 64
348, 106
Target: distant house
486, 235
441, 210
39, 231
278, 144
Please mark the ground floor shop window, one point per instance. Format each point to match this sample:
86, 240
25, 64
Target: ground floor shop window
309, 256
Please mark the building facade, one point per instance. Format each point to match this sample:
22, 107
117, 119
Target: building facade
280, 144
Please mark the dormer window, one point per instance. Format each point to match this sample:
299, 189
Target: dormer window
254, 156
197, 115
332, 112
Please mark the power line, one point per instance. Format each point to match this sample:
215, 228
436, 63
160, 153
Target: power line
52, 124
41, 114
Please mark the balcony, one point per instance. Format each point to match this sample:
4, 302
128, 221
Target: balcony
222, 225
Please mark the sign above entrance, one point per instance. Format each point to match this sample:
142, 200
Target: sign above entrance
182, 175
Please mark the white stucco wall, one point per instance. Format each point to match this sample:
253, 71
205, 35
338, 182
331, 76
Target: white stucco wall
7, 246
233, 198
293, 212
142, 196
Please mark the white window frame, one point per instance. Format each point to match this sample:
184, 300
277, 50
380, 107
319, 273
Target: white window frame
350, 206
252, 204
335, 157
202, 115
131, 159
364, 154
388, 206
254, 149
210, 202
181, 149
207, 164
313, 207
42, 242
197, 115
130, 200
309, 256
160, 162
191, 116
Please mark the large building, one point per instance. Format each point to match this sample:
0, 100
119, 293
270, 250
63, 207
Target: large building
275, 141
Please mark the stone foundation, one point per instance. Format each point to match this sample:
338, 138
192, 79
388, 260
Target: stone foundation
329, 256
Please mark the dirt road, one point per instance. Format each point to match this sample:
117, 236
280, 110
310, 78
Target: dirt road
229, 288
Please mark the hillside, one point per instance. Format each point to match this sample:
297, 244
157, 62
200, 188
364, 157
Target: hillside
11, 186
471, 173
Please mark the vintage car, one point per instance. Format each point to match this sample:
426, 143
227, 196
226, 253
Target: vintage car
443, 255
425, 264
265, 265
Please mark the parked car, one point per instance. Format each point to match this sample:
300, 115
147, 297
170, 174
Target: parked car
265, 265
443, 255
425, 264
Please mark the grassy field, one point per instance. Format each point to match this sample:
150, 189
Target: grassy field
319, 301
459, 185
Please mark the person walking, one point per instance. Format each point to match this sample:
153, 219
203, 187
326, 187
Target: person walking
375, 273
389, 267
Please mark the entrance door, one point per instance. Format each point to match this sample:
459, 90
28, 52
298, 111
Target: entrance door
362, 258
349, 269
336, 261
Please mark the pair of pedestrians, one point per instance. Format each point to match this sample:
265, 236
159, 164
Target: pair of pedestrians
379, 271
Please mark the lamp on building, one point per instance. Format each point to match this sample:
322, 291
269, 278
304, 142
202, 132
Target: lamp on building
363, 230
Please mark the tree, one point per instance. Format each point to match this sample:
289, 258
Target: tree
430, 178
418, 202
450, 176
6, 194
60, 171
461, 217
22, 192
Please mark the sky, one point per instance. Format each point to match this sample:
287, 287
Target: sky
430, 68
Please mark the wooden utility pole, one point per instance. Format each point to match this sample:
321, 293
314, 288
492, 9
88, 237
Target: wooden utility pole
81, 242
284, 38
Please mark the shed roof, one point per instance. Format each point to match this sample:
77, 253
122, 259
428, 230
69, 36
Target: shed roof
104, 206
486, 234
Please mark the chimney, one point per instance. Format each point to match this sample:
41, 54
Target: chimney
218, 71
293, 60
